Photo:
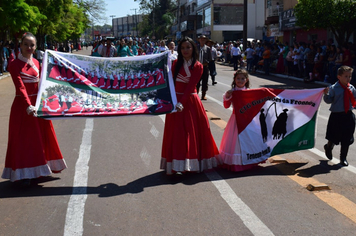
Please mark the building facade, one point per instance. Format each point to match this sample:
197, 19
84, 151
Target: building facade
281, 25
127, 25
221, 20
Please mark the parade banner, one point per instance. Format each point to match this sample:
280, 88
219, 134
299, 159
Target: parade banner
275, 121
75, 85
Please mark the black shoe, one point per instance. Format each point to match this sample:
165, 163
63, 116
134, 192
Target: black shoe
328, 152
215, 83
344, 162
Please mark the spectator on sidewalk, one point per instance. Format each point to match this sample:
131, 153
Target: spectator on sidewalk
250, 53
2, 59
290, 61
266, 59
236, 55
214, 56
204, 58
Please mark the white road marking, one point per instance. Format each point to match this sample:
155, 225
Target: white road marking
227, 85
163, 117
145, 156
250, 220
154, 131
217, 101
76, 205
323, 117
334, 160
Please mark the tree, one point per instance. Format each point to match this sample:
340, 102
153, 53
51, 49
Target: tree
17, 16
72, 25
55, 12
158, 17
94, 9
337, 15
59, 19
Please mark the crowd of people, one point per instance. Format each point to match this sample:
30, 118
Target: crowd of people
313, 61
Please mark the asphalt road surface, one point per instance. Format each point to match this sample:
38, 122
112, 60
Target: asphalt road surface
113, 184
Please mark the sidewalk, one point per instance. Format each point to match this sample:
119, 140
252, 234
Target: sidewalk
282, 76
4, 75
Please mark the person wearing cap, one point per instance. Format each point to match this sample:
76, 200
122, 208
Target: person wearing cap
214, 56
204, 59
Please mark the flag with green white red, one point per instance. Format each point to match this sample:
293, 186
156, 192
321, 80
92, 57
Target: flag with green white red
275, 121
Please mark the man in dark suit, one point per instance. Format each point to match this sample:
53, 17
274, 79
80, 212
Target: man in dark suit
204, 58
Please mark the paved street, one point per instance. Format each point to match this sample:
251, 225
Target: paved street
113, 184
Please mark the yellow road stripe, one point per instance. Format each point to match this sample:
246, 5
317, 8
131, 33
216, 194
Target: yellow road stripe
335, 200
219, 122
339, 202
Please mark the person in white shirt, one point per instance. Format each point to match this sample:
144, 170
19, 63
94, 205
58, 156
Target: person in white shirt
162, 47
174, 54
102, 45
236, 54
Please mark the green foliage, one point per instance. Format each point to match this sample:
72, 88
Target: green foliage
18, 16
61, 20
158, 17
337, 15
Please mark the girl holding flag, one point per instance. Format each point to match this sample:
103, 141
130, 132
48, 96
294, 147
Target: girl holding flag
230, 151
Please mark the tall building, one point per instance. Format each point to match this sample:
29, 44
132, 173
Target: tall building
221, 20
127, 25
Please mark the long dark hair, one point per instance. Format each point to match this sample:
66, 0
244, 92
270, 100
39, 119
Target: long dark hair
245, 73
180, 59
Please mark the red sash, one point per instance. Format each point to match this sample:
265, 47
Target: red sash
348, 96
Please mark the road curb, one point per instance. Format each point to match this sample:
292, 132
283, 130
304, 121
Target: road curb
4, 76
284, 76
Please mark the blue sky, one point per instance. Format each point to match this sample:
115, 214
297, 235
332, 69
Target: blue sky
120, 8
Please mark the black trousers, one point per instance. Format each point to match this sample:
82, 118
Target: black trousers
203, 82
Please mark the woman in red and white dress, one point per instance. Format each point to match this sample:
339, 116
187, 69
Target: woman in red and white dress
142, 81
188, 144
115, 84
136, 82
151, 80
129, 83
102, 78
33, 149
122, 82
55, 72
159, 77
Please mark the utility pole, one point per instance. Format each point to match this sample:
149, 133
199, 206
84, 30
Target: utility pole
153, 13
135, 21
112, 27
245, 26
